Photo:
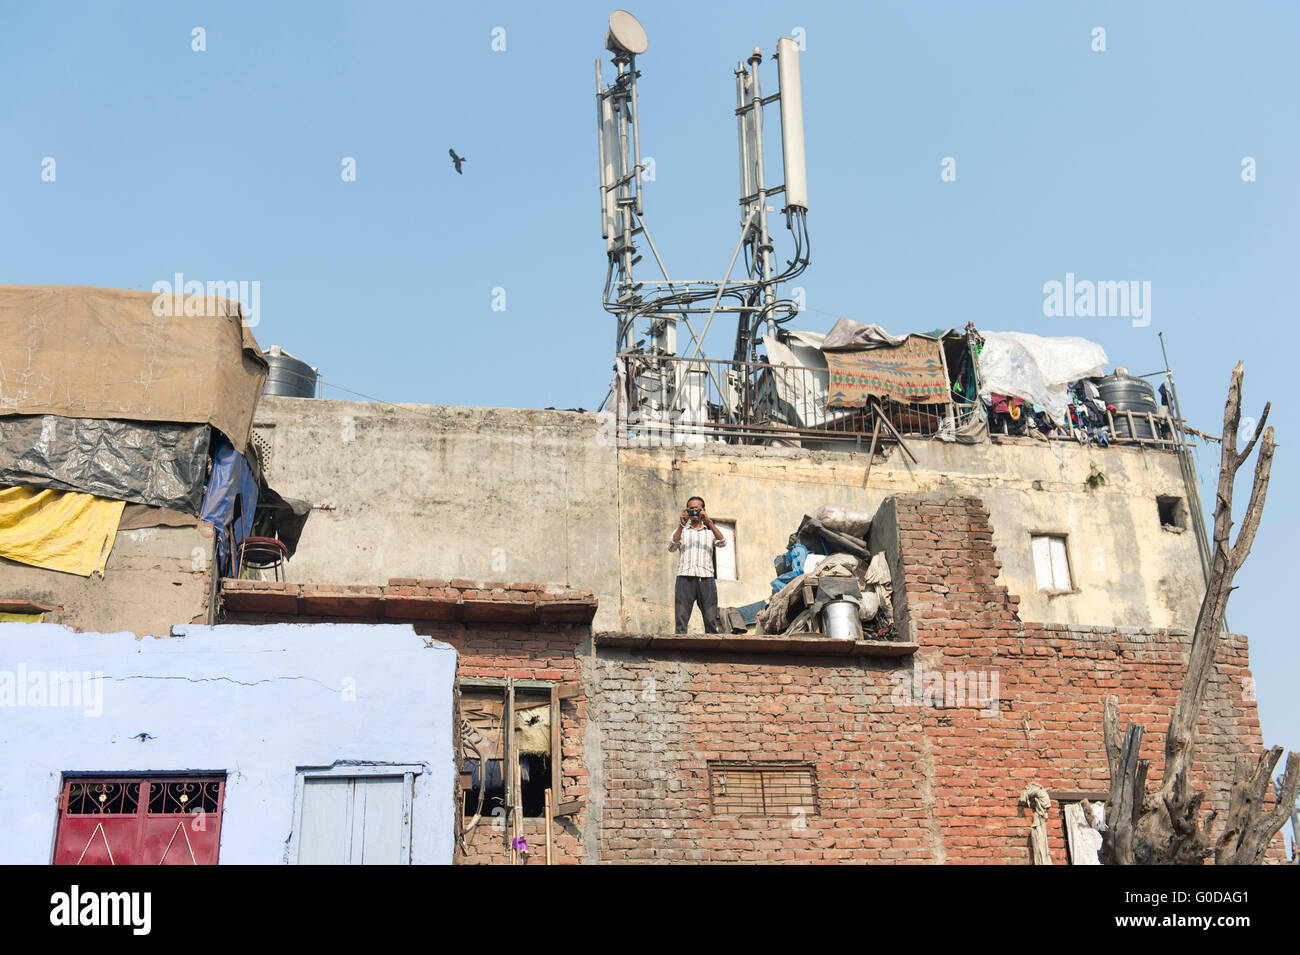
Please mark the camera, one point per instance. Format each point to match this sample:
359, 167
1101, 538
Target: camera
694, 512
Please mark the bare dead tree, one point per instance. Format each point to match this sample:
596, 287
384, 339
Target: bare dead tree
1164, 826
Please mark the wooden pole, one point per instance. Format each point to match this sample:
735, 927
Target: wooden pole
549, 809
519, 806
871, 454
508, 771
880, 411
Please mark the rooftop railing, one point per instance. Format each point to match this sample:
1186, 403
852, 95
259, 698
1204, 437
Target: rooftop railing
668, 401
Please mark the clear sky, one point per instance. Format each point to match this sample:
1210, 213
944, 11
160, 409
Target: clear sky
1123, 164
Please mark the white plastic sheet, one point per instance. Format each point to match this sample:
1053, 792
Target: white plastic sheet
804, 390
1037, 369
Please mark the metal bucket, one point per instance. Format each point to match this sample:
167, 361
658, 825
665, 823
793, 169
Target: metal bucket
840, 619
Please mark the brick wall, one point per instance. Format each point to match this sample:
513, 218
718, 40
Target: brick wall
900, 779
527, 654
660, 722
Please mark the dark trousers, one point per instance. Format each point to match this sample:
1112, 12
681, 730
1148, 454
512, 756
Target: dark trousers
697, 590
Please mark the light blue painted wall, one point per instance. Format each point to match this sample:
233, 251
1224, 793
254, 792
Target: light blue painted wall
256, 702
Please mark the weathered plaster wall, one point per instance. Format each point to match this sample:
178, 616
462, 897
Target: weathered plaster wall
255, 702
501, 494
155, 577
1127, 570
434, 491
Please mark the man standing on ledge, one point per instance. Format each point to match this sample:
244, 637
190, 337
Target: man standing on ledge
694, 540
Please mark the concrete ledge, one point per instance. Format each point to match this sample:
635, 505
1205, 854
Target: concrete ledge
406, 599
815, 644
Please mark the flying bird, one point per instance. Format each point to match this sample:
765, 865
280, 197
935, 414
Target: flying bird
456, 161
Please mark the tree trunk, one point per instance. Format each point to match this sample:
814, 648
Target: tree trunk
1164, 827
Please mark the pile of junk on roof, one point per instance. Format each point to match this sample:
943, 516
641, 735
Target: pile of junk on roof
827, 582
957, 385
115, 417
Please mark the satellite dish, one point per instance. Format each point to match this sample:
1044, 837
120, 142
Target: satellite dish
626, 35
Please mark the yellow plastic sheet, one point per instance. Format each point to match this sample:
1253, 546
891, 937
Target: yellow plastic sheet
21, 617
58, 530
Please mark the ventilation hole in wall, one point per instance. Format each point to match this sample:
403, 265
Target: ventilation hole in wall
1173, 513
263, 445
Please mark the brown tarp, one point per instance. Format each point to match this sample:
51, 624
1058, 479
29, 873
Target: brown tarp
136, 516
83, 352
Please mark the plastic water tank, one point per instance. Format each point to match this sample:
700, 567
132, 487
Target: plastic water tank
288, 377
1127, 393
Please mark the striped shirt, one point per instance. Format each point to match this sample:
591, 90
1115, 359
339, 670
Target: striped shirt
696, 551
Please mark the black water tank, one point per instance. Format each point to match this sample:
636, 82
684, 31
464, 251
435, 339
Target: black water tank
1127, 393
288, 377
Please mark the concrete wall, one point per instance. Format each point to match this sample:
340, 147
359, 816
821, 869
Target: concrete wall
155, 577
256, 702
1127, 570
424, 491
500, 494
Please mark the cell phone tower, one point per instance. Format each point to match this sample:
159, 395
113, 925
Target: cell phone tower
649, 311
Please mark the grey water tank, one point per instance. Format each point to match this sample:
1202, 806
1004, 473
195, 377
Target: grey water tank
288, 377
1127, 393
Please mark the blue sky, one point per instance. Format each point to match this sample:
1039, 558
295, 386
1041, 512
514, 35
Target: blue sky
1117, 165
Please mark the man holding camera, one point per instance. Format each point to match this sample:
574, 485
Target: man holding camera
694, 540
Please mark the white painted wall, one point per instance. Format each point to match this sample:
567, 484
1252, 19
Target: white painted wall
255, 702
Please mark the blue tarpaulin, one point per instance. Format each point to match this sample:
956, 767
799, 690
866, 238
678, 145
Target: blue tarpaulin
230, 500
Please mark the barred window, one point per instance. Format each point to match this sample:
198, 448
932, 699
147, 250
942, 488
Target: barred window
139, 820
762, 789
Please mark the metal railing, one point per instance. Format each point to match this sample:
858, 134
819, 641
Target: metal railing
663, 401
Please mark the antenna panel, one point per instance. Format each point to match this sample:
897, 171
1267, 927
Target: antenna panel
791, 87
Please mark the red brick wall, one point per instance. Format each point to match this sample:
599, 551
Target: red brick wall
901, 782
1053, 683
661, 721
527, 654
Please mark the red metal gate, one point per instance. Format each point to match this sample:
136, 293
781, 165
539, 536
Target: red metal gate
140, 820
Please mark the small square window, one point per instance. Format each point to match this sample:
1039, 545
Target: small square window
1051, 563
1173, 513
